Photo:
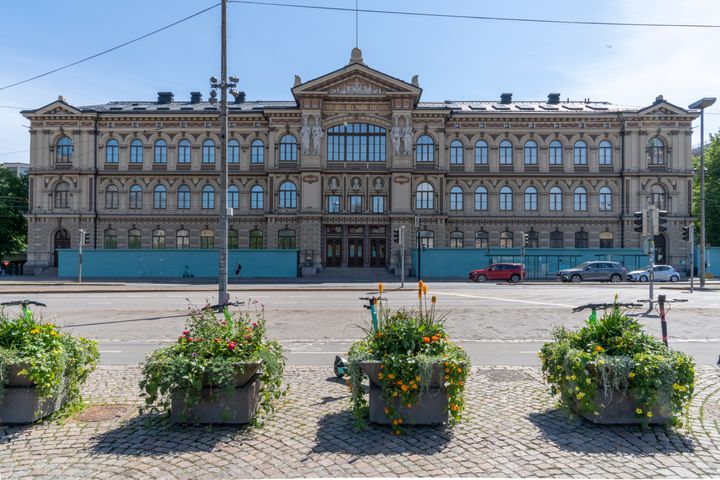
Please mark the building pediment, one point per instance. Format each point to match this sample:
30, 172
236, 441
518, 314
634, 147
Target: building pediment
57, 108
661, 107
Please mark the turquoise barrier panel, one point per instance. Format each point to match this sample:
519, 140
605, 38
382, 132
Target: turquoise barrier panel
540, 263
178, 263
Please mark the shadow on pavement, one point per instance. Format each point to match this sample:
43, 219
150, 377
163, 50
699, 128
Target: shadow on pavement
153, 434
574, 434
336, 433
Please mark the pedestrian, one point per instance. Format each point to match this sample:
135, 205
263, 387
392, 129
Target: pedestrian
238, 267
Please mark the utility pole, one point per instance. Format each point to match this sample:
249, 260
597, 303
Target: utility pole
691, 229
402, 256
80, 254
652, 225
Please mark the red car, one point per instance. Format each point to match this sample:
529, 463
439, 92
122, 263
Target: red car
510, 272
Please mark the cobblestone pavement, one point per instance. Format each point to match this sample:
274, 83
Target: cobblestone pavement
511, 429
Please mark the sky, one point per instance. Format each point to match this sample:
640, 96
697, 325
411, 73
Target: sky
455, 59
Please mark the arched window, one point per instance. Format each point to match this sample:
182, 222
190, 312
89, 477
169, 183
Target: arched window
506, 239
456, 152
112, 151
233, 238
158, 239
184, 149
556, 199
208, 197
506, 199
655, 151
456, 240
427, 238
531, 153
481, 240
63, 150
257, 152
425, 149
605, 199
233, 197
481, 152
580, 197
556, 153
581, 239
286, 239
580, 157
208, 151
134, 239
160, 197
506, 156
456, 198
207, 239
606, 240
288, 195
288, 149
136, 151
556, 239
136, 196
424, 196
110, 239
183, 197
256, 239
182, 239
533, 239
160, 152
62, 195
531, 199
658, 197
233, 151
356, 142
605, 153
112, 197
481, 198
257, 195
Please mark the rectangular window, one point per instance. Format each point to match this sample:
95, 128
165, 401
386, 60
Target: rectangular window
378, 204
356, 204
333, 203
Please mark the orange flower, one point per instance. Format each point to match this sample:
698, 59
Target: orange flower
425, 289
459, 370
447, 370
426, 339
404, 388
380, 375
434, 338
399, 382
382, 365
433, 299
399, 420
395, 422
391, 376
415, 386
409, 405
396, 432
420, 294
380, 288
387, 410
447, 377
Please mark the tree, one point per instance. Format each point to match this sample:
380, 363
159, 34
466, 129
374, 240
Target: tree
712, 192
13, 206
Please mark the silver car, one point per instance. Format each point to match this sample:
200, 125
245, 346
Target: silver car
661, 273
599, 270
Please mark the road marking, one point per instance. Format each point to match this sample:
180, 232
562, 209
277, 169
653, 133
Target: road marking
533, 352
532, 302
110, 351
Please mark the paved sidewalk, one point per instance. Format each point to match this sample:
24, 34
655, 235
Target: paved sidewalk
511, 429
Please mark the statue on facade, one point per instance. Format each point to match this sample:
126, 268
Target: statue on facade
317, 135
395, 136
305, 137
407, 140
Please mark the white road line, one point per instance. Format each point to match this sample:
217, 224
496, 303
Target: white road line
111, 351
506, 299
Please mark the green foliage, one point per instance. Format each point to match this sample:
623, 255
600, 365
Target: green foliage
614, 354
55, 362
712, 192
409, 345
13, 204
211, 351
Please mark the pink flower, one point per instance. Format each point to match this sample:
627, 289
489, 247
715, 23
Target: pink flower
232, 345
254, 324
186, 332
189, 339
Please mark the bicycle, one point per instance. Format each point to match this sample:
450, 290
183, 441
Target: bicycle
340, 365
26, 312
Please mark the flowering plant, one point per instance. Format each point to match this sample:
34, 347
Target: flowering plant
409, 345
614, 354
215, 348
54, 362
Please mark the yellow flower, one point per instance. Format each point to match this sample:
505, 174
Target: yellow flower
404, 388
380, 375
380, 288
459, 370
588, 381
391, 376
638, 411
580, 395
631, 374
574, 377
34, 331
649, 414
577, 389
599, 349
394, 422
417, 378
54, 333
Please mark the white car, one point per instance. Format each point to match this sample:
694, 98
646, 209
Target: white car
661, 273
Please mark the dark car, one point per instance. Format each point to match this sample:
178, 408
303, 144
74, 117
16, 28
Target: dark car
510, 272
602, 271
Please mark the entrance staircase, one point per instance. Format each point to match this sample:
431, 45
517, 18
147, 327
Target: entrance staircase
356, 275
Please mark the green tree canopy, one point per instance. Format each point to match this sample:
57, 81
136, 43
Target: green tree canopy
13, 205
712, 192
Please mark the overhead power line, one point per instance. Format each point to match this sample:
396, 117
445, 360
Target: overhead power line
476, 17
111, 49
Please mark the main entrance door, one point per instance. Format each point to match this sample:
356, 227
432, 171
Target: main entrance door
377, 252
333, 252
355, 252
61, 240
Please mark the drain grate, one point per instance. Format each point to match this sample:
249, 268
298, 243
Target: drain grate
102, 413
507, 376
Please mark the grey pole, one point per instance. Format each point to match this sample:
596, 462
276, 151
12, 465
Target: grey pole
692, 257
702, 198
402, 256
223, 295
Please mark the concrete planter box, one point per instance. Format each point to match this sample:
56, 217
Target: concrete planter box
620, 409
220, 406
20, 402
245, 372
431, 407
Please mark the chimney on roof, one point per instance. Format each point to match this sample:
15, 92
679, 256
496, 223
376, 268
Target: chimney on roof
195, 97
165, 97
506, 98
239, 97
553, 98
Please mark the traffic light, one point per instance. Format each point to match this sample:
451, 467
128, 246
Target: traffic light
526, 240
396, 235
86, 238
662, 221
686, 233
640, 222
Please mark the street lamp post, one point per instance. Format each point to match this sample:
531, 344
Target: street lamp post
701, 105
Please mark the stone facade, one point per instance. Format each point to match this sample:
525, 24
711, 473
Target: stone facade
354, 156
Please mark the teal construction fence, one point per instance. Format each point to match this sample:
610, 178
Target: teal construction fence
540, 263
178, 263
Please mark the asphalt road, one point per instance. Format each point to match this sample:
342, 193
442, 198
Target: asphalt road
498, 324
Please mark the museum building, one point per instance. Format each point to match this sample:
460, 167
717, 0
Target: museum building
355, 155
